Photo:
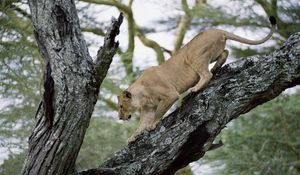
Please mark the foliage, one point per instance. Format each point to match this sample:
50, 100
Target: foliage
20, 72
103, 137
12, 165
264, 141
20, 88
184, 171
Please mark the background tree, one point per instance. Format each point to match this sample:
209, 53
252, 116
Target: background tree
20, 74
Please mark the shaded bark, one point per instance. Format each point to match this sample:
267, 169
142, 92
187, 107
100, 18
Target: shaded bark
71, 86
186, 134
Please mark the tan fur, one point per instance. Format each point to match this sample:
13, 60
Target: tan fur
159, 87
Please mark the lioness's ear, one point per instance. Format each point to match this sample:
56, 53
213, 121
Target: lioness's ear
127, 94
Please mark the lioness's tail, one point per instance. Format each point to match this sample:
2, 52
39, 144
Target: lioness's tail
234, 37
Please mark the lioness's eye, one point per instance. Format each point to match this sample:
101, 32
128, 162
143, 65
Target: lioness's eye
121, 106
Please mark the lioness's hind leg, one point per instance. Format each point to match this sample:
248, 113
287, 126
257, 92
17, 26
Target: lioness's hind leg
220, 61
205, 76
199, 63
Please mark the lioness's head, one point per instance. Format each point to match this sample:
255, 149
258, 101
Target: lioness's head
125, 105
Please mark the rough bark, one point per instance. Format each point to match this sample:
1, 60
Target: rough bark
108, 50
186, 134
71, 86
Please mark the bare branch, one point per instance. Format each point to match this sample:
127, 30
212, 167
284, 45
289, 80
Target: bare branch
152, 44
184, 23
112, 105
167, 50
128, 55
108, 50
95, 31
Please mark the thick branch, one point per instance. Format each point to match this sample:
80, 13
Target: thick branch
187, 133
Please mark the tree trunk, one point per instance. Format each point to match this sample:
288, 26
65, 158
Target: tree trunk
72, 83
186, 134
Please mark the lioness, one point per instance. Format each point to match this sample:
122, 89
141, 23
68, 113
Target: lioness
159, 87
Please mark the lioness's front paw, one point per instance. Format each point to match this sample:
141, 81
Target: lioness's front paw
213, 71
131, 139
193, 89
151, 127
